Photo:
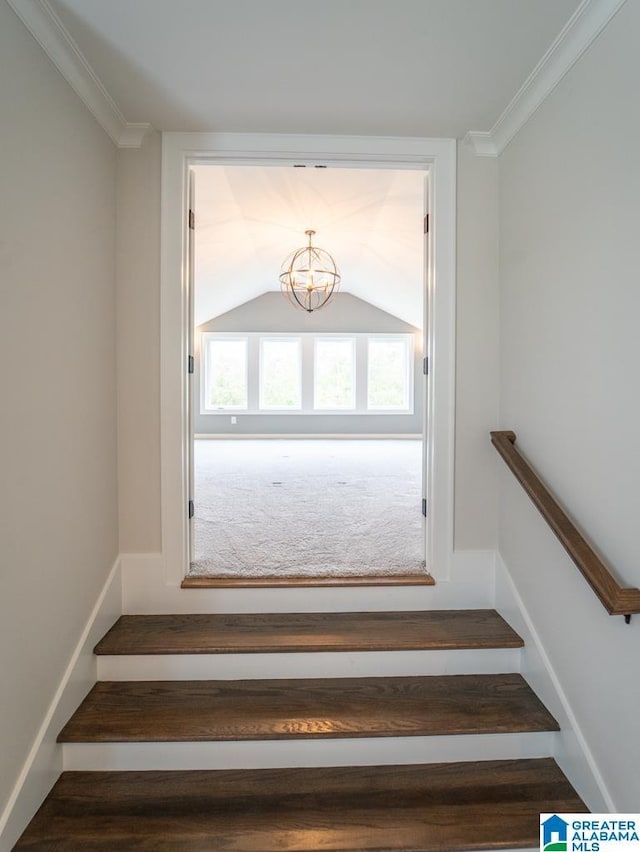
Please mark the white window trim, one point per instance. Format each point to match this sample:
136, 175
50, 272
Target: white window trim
343, 409
408, 341
360, 343
278, 409
205, 338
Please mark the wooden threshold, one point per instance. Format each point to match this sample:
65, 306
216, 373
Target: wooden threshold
423, 579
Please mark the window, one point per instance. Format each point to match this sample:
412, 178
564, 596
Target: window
334, 362
280, 373
307, 373
225, 373
389, 374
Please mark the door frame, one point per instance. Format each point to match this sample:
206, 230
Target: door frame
436, 157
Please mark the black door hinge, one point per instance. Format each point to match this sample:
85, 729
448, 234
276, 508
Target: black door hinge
191, 509
426, 223
424, 506
190, 364
192, 220
425, 366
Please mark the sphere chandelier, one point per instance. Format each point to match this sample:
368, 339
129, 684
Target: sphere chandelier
309, 277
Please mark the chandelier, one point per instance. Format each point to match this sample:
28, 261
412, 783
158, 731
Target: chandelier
309, 277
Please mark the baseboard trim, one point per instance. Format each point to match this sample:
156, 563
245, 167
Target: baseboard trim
45, 760
571, 752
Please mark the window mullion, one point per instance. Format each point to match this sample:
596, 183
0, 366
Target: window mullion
308, 341
362, 342
253, 361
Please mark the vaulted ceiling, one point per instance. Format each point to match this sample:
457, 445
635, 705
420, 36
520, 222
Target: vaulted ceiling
248, 219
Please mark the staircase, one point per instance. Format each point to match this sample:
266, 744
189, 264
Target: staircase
306, 732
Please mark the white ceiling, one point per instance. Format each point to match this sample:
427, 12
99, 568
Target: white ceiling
382, 67
248, 219
363, 67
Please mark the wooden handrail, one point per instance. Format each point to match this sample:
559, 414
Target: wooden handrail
616, 599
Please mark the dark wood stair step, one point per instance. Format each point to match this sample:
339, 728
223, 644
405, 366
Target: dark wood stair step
427, 808
186, 711
316, 631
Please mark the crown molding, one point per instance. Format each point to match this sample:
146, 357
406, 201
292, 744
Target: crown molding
132, 134
582, 28
52, 36
481, 142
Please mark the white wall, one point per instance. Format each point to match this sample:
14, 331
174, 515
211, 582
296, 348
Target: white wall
477, 352
570, 302
138, 322
58, 521
346, 314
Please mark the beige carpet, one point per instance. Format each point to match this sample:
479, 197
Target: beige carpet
306, 508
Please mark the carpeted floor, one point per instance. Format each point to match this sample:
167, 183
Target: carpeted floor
307, 508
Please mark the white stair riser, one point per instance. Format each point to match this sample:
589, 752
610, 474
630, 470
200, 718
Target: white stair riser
149, 586
307, 664
252, 754
174, 600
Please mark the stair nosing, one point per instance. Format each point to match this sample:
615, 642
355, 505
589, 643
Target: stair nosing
428, 806
263, 639
403, 698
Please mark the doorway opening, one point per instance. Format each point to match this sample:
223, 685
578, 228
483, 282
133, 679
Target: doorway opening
308, 431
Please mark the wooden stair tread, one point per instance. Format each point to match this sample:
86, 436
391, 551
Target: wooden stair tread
187, 711
423, 808
287, 632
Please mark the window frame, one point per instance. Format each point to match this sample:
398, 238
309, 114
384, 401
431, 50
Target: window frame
279, 338
206, 339
408, 342
307, 370
339, 409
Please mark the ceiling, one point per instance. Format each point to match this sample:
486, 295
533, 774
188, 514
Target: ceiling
381, 67
248, 219
434, 68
